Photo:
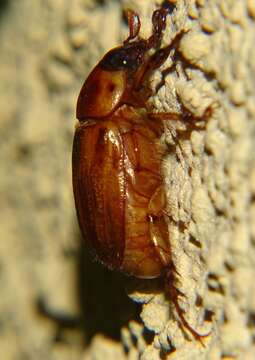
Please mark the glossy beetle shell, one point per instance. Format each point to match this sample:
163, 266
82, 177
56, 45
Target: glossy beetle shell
117, 158
119, 194
101, 93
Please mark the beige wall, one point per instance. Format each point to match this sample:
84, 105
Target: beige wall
47, 49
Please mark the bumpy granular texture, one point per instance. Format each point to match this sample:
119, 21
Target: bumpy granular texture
47, 49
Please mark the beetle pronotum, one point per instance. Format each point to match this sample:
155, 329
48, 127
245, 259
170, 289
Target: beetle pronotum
117, 158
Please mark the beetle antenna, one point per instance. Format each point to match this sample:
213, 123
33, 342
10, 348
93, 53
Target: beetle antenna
159, 25
134, 24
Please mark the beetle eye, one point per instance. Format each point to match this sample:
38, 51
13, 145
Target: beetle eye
121, 59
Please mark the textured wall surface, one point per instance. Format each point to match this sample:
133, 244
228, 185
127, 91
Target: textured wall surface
47, 49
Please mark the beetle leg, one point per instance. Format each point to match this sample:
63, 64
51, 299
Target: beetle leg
170, 275
155, 61
160, 56
157, 227
174, 295
192, 121
164, 74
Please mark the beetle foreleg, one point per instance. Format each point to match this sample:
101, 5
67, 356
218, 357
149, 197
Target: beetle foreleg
192, 121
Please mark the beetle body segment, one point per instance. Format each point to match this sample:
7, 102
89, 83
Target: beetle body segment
118, 192
101, 93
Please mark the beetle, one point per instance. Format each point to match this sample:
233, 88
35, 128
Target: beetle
117, 158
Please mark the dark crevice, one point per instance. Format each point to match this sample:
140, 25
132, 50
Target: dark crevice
251, 319
202, 259
170, 6
214, 284
229, 267
208, 315
163, 354
220, 212
148, 336
195, 242
225, 318
199, 301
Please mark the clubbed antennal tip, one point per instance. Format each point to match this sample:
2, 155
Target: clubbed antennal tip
134, 24
158, 26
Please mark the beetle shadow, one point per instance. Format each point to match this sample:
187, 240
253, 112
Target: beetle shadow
3, 7
105, 306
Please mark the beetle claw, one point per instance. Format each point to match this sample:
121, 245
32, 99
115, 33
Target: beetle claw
174, 294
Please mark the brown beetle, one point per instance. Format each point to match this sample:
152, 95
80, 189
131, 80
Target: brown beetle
117, 157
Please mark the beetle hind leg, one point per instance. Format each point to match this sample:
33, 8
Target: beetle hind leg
174, 295
158, 226
160, 238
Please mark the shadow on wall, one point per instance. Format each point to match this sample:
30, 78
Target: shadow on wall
104, 303
3, 6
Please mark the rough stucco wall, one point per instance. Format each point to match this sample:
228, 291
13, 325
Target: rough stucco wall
47, 48
41, 73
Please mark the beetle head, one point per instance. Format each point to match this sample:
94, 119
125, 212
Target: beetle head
122, 70
104, 88
126, 58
